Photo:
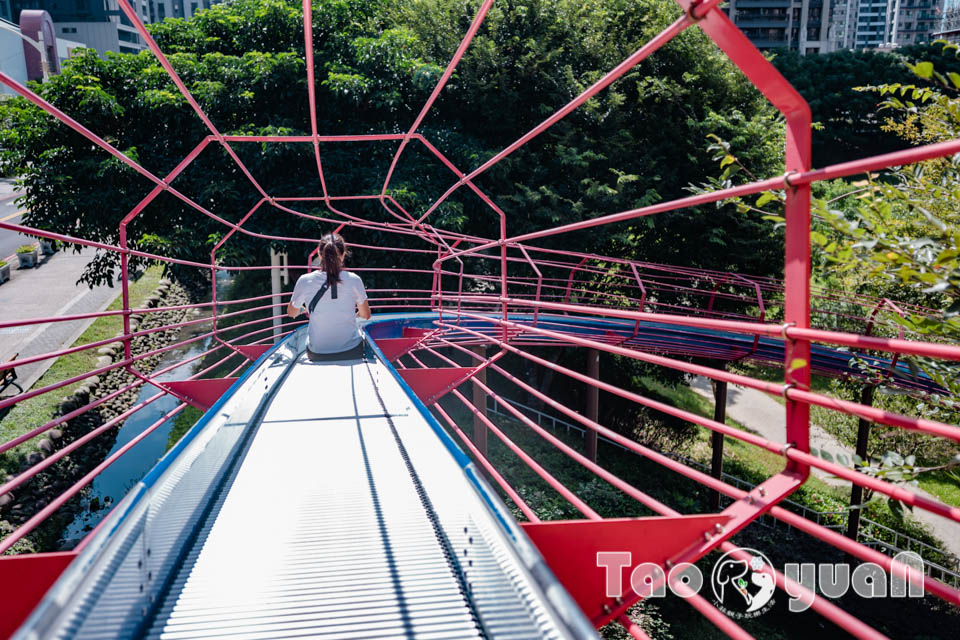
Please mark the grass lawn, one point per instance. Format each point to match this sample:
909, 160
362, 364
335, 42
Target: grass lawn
755, 462
36, 411
682, 397
942, 486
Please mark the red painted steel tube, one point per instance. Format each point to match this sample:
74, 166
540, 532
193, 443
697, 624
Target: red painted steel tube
95, 403
90, 535
877, 415
55, 354
545, 475
833, 613
489, 468
632, 628
441, 83
171, 72
907, 347
655, 43
365, 137
32, 471
821, 605
801, 523
774, 447
646, 500
44, 513
60, 500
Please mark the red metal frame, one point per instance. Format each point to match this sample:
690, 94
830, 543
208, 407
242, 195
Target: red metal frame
514, 312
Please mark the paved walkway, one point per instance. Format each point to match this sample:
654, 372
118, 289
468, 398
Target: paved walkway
764, 416
10, 212
6, 188
49, 290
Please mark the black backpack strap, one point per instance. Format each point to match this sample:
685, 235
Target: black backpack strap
323, 290
316, 298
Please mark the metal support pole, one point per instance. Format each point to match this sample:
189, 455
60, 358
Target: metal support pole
593, 403
276, 290
716, 439
480, 402
863, 439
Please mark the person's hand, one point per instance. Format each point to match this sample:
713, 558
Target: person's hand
293, 311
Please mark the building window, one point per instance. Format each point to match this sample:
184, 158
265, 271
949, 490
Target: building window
162, 10
193, 8
69, 30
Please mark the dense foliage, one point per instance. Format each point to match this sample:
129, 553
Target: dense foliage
638, 142
850, 122
894, 235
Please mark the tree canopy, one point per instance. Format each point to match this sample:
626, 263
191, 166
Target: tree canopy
850, 121
638, 142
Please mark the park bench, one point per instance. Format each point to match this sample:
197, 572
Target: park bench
9, 377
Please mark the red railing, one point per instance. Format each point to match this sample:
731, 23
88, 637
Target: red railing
516, 303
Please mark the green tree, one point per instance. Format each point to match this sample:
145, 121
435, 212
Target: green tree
851, 123
376, 62
895, 235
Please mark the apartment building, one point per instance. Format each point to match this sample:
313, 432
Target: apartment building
821, 26
100, 24
798, 25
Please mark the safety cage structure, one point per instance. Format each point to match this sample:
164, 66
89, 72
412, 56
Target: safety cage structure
477, 302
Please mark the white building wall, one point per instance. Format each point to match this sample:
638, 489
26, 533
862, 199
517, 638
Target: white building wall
102, 36
11, 59
65, 49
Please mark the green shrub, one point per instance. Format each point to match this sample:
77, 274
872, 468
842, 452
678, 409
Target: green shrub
27, 248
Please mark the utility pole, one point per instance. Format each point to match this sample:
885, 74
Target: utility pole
863, 439
480, 402
593, 403
716, 439
276, 289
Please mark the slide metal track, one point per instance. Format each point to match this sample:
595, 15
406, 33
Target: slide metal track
313, 500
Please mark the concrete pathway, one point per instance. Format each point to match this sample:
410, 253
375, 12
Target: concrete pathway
10, 212
49, 290
764, 416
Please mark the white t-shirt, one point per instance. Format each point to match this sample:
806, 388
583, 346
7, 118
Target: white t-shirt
333, 323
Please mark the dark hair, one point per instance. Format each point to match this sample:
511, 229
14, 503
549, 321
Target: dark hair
332, 252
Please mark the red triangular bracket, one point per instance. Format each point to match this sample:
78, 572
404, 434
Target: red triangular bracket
253, 351
570, 547
201, 394
432, 384
415, 332
24, 580
393, 348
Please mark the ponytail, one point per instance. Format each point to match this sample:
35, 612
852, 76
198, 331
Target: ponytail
332, 252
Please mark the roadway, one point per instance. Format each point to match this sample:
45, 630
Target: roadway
57, 277
10, 212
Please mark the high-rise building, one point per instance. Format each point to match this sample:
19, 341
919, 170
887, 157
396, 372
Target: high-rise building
100, 24
843, 24
950, 24
917, 21
821, 26
874, 24
799, 25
